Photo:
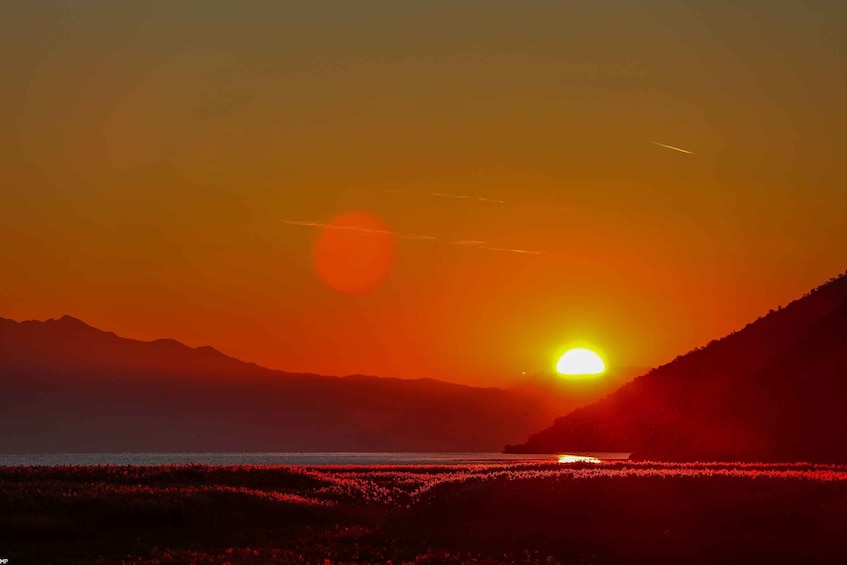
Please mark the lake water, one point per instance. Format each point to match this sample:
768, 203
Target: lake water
52, 459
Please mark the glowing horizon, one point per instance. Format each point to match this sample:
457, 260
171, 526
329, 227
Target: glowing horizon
545, 175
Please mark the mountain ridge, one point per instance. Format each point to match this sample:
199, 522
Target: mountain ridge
69, 386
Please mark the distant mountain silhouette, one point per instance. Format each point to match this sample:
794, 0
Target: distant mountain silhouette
67, 386
775, 390
70, 345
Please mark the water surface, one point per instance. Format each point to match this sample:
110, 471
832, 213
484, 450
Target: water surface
335, 458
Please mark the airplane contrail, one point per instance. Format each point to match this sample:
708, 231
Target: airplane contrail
507, 250
686, 151
475, 244
447, 195
466, 197
485, 245
399, 235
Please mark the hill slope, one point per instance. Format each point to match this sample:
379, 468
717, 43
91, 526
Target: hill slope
775, 390
67, 387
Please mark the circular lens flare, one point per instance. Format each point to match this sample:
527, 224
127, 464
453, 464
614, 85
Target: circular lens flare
354, 253
580, 361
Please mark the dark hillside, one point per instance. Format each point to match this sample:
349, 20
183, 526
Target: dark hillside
772, 390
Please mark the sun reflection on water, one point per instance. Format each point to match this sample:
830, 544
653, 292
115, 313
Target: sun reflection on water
577, 459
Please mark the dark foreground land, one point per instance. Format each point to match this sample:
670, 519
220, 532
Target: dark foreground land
518, 513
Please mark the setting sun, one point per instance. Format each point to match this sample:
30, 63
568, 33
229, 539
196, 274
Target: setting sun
580, 361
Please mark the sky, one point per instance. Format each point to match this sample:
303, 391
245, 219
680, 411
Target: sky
449, 189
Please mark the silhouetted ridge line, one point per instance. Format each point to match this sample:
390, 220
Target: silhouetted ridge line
69, 387
70, 345
774, 390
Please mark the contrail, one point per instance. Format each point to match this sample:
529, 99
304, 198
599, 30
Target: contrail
447, 195
484, 245
466, 197
399, 235
686, 151
521, 251
473, 243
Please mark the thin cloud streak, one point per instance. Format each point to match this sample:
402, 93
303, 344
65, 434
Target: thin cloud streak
447, 195
467, 197
485, 245
472, 243
412, 236
507, 250
686, 151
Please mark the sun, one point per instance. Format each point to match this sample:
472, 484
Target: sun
580, 361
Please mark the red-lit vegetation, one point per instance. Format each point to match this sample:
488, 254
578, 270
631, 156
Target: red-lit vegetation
524, 513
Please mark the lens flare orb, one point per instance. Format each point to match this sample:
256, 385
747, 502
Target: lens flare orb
354, 253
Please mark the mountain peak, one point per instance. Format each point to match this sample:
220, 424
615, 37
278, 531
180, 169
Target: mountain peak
68, 320
72, 346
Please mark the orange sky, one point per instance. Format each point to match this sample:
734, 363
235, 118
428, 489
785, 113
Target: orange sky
167, 167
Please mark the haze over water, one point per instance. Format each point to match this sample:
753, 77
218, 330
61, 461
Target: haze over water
331, 458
